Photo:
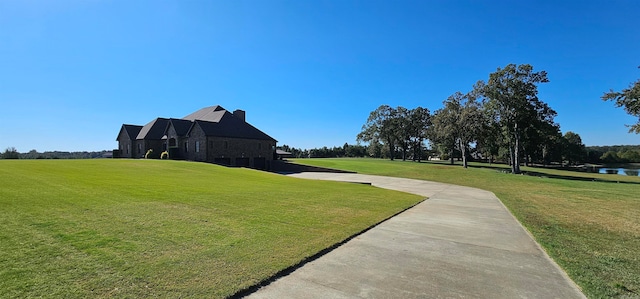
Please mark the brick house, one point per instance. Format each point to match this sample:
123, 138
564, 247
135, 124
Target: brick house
211, 134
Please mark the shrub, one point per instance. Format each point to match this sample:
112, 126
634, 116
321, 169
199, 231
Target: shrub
149, 154
164, 155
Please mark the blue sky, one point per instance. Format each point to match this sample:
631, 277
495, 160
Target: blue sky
307, 72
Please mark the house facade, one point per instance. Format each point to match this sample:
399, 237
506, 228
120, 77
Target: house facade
211, 134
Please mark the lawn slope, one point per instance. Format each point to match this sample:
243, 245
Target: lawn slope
141, 228
590, 228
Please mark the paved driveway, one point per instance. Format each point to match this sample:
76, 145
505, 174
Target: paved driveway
460, 243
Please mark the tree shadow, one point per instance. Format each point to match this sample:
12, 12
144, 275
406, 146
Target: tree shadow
553, 176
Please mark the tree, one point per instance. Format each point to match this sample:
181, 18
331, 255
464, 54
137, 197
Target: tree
444, 131
402, 128
512, 94
381, 127
458, 124
11, 153
629, 98
574, 149
419, 122
470, 125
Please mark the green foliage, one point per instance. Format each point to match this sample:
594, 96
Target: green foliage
629, 98
11, 153
590, 228
164, 155
512, 97
613, 154
125, 228
456, 125
396, 128
574, 150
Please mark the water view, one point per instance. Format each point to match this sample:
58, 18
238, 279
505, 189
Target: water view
620, 171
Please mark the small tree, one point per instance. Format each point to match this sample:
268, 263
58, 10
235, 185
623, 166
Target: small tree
11, 153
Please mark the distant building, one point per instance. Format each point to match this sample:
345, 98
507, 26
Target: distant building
211, 134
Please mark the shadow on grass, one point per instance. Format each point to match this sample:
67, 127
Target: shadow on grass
552, 176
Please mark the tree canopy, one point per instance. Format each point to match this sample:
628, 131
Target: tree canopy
629, 98
502, 118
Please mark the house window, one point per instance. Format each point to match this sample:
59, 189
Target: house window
139, 148
226, 144
197, 146
172, 142
259, 146
186, 146
128, 148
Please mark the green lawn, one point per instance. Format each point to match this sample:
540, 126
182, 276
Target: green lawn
590, 228
143, 228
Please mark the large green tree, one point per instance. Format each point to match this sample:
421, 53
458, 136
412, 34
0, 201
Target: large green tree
419, 123
512, 94
458, 124
629, 98
381, 128
574, 149
444, 130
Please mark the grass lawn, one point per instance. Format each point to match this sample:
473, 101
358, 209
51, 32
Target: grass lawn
590, 228
143, 228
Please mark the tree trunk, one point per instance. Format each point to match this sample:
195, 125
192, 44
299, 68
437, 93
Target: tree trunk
453, 149
463, 151
516, 153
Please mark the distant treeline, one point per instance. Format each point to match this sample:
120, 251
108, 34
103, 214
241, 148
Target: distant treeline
12, 153
594, 154
613, 154
347, 150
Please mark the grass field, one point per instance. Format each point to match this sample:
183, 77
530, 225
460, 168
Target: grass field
590, 228
142, 228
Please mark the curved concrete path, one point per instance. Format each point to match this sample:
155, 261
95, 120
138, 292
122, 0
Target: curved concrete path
460, 243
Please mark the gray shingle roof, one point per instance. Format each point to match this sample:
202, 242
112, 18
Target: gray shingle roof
182, 126
214, 121
231, 126
212, 114
154, 130
131, 130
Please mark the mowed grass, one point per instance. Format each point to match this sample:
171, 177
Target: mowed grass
590, 228
169, 229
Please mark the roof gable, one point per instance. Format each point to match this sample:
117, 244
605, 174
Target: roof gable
212, 114
154, 130
181, 126
231, 126
131, 131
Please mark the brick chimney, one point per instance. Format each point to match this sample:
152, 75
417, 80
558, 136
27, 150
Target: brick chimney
241, 114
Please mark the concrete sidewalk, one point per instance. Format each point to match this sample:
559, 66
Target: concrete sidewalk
460, 243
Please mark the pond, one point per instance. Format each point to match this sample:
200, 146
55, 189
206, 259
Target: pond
620, 171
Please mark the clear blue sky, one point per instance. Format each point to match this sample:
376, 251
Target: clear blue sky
307, 72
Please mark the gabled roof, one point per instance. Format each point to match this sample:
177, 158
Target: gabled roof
131, 131
154, 130
182, 126
231, 126
212, 114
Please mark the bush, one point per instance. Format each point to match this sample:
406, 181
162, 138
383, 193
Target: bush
164, 155
150, 155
